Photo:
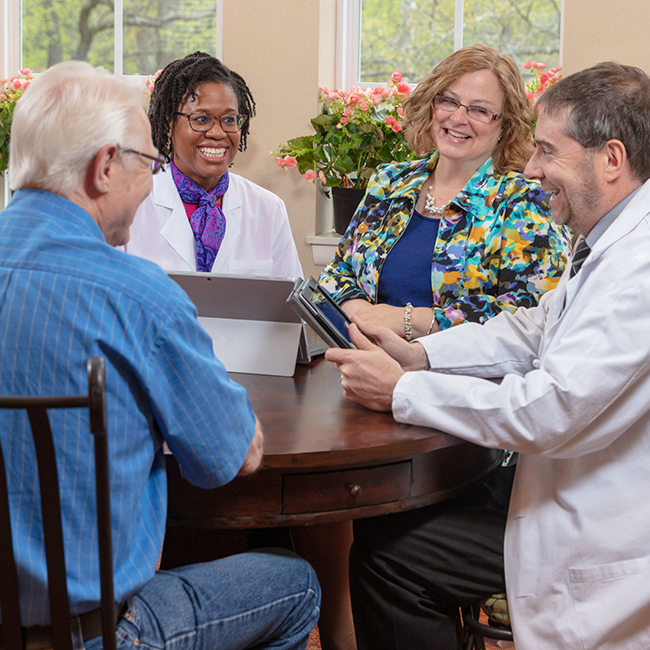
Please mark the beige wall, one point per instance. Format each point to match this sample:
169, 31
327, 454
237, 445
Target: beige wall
285, 50
603, 30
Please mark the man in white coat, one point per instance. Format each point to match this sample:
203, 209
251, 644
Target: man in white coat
566, 384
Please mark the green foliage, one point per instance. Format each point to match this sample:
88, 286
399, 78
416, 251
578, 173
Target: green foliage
415, 35
156, 32
356, 132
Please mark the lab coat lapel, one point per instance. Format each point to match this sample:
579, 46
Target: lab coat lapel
567, 289
175, 230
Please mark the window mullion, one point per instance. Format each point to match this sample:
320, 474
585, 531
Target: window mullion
348, 42
118, 37
458, 25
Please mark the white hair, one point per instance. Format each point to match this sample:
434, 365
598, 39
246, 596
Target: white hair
66, 115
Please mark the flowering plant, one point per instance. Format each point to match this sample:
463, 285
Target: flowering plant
355, 132
10, 91
541, 80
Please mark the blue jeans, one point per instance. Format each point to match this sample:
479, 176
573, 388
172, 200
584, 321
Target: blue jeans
263, 599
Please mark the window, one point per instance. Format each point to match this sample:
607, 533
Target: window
126, 36
412, 36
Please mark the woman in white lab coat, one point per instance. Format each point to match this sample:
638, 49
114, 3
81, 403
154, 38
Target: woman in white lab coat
200, 216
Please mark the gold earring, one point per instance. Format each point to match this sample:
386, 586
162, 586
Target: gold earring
169, 144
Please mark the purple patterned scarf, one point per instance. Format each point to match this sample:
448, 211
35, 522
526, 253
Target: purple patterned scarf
208, 220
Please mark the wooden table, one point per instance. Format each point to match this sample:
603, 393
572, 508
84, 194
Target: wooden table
328, 459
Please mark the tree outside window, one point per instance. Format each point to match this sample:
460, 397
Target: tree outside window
412, 36
155, 32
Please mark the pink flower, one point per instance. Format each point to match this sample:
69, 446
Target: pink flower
347, 112
17, 83
397, 127
280, 163
290, 162
400, 111
390, 120
2, 97
26, 71
322, 177
378, 90
26, 84
544, 78
404, 88
310, 175
363, 106
554, 71
343, 120
396, 77
3, 81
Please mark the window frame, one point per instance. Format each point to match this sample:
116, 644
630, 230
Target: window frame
348, 41
11, 31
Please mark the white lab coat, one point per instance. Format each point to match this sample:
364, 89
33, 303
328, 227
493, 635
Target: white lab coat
258, 238
575, 401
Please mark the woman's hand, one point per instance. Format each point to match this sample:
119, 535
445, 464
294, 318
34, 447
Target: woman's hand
391, 317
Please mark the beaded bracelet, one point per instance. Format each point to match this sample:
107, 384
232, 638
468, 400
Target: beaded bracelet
433, 322
408, 330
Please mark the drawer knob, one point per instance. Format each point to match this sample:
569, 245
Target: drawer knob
355, 490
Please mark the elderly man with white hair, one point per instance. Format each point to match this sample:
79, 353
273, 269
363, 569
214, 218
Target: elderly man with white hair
81, 161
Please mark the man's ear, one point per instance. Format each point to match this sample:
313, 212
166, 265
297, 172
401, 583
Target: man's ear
614, 159
100, 170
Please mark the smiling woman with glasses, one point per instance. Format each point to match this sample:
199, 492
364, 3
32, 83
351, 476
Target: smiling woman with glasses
201, 216
453, 238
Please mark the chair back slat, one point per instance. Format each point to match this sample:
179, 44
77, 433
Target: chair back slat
48, 478
9, 601
36, 408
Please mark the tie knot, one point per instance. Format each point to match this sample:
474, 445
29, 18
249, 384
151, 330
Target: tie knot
579, 256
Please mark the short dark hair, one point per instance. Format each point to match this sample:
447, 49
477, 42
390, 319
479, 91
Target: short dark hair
179, 80
608, 101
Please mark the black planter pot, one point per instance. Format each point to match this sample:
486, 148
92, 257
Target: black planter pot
345, 202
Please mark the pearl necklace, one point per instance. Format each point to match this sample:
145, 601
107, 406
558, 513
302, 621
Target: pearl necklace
430, 204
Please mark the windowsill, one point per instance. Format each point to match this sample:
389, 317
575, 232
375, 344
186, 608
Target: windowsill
323, 246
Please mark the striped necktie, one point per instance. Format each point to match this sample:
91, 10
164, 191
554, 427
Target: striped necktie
579, 256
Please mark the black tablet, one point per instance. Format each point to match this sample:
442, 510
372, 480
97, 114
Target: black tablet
315, 306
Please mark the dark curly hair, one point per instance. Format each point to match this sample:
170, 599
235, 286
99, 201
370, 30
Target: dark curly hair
179, 80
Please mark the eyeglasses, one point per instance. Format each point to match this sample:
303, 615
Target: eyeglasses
203, 122
156, 163
477, 113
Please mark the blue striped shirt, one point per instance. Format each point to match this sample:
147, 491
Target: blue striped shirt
65, 296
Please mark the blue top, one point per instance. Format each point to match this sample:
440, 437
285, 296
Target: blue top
66, 296
406, 274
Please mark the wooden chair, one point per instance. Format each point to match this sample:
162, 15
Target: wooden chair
36, 407
476, 633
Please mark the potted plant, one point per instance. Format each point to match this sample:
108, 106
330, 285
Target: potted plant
355, 132
10, 92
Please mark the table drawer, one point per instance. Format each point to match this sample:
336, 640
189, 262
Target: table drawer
352, 488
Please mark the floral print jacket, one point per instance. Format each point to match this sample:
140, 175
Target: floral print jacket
496, 249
